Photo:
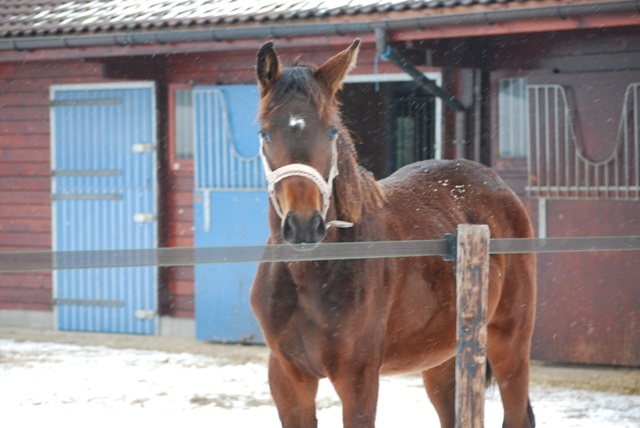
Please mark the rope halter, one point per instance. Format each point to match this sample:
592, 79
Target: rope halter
308, 172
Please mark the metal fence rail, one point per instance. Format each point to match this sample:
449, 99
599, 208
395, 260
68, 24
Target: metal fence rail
178, 256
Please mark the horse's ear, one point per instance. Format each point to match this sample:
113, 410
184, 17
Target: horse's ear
268, 67
332, 72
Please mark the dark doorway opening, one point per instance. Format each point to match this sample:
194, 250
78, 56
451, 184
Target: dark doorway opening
392, 123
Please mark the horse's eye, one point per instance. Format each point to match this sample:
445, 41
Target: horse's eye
333, 133
263, 136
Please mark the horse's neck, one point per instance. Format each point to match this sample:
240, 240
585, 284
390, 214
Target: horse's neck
357, 193
323, 287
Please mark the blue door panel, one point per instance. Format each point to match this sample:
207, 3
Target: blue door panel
230, 208
103, 173
222, 306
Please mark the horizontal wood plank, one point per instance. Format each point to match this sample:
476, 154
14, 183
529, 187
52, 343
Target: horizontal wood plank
29, 199
25, 184
180, 273
22, 141
25, 127
181, 288
24, 155
24, 241
32, 280
25, 169
21, 211
21, 225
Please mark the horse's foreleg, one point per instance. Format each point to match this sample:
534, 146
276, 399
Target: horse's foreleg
440, 382
294, 395
357, 385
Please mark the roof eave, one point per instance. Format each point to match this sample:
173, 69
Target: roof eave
626, 11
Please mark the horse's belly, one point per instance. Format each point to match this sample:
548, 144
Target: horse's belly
421, 328
416, 361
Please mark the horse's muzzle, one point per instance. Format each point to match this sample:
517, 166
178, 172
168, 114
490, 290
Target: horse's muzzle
296, 230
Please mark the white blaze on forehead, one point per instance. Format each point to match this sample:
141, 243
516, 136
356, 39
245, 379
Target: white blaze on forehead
297, 121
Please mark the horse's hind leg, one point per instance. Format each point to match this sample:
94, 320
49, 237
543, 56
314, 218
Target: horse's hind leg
509, 340
509, 359
440, 382
294, 396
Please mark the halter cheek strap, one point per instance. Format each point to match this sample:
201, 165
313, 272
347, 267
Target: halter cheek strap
308, 172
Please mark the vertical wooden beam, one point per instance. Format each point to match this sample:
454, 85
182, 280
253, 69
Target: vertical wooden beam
472, 280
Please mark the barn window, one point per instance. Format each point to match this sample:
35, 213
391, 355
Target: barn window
512, 118
412, 115
180, 127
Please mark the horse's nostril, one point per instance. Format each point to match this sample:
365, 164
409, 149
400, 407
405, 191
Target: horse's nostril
319, 227
289, 228
308, 231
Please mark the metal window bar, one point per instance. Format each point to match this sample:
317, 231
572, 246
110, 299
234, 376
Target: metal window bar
216, 147
554, 146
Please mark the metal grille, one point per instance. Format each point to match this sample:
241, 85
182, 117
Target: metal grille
220, 163
559, 167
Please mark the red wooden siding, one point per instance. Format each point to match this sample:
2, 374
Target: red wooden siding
176, 230
589, 303
25, 181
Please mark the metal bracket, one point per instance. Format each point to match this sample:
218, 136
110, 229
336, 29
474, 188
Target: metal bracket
452, 246
142, 148
144, 314
388, 53
144, 218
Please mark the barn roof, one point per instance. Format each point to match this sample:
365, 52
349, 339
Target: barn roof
33, 18
27, 26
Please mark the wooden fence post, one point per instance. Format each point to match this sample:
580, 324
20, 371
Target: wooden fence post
472, 283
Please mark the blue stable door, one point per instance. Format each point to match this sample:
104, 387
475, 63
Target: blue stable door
104, 198
230, 208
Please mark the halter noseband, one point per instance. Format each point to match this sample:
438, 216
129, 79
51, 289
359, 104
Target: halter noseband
308, 172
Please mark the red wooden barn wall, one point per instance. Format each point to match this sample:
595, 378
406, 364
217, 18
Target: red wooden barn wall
588, 308
25, 180
25, 187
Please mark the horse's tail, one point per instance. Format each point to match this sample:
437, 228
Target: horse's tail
488, 374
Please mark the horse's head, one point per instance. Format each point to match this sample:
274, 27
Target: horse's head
299, 132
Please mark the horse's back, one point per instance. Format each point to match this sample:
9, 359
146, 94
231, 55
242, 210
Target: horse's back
440, 194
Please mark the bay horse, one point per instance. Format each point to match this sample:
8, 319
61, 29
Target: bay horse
353, 320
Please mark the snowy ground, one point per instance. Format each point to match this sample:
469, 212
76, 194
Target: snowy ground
78, 385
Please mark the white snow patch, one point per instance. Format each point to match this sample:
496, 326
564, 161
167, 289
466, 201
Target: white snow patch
44, 383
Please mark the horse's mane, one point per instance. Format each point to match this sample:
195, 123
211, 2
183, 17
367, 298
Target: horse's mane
356, 190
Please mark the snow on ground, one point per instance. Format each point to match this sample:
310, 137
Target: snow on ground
46, 383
